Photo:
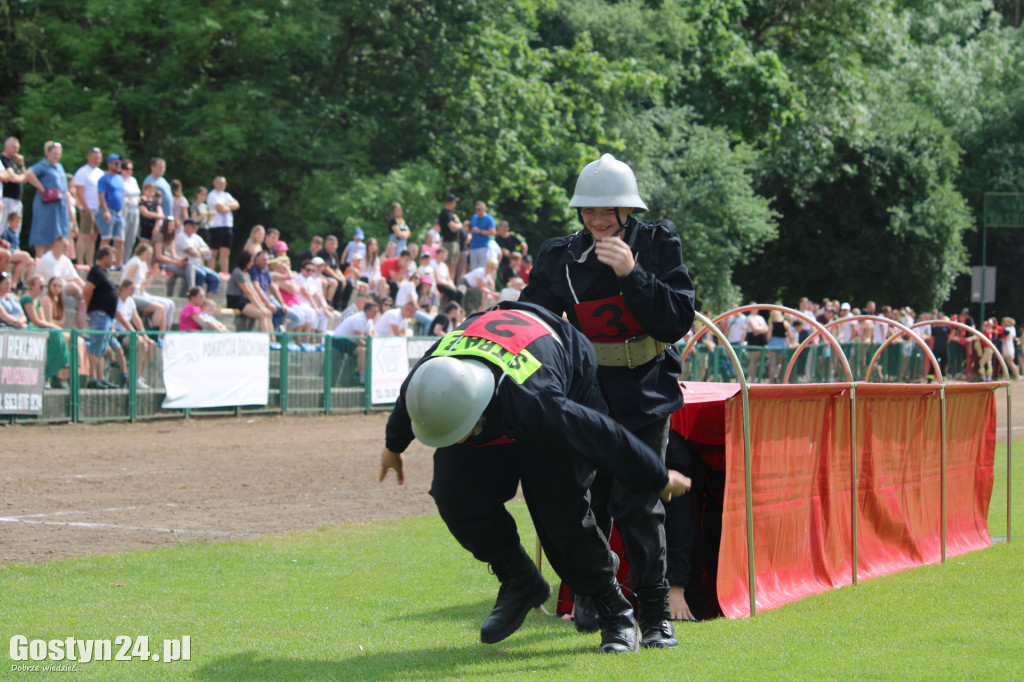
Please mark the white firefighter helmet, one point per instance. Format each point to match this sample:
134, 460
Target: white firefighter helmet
446, 397
607, 183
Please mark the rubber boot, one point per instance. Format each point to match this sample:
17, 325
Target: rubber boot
522, 588
655, 619
619, 631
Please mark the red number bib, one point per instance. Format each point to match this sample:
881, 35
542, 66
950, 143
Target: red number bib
607, 319
510, 329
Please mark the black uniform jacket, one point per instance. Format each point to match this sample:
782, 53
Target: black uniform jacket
658, 294
556, 409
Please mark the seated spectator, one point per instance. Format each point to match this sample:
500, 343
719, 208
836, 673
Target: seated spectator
100, 298
337, 289
56, 344
356, 246
359, 324
312, 291
442, 277
11, 314
395, 321
187, 242
359, 301
194, 317
480, 287
53, 311
291, 295
512, 289
245, 297
316, 245
55, 263
139, 270
22, 263
395, 270
517, 267
207, 317
166, 258
446, 321
254, 244
270, 240
429, 303
127, 320
281, 315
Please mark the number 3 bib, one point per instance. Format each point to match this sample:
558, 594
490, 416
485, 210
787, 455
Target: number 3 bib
607, 320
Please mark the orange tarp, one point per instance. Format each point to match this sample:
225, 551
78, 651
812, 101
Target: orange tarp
801, 473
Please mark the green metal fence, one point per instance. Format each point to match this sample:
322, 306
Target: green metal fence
310, 377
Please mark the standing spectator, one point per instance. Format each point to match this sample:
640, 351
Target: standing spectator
243, 296
132, 192
757, 337
199, 211
450, 227
86, 181
179, 204
510, 243
21, 262
223, 207
110, 192
50, 217
481, 228
395, 321
157, 169
398, 231
355, 246
100, 298
635, 271
13, 180
189, 243
151, 212
1007, 345
138, 270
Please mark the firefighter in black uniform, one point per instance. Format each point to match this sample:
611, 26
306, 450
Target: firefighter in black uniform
511, 397
623, 284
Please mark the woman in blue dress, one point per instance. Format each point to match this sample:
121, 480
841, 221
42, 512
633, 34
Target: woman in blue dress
49, 220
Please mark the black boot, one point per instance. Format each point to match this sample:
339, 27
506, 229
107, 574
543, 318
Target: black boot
583, 615
522, 588
619, 632
655, 619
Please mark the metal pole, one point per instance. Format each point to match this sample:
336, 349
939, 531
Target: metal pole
282, 378
328, 373
853, 477
368, 376
984, 247
1009, 444
133, 372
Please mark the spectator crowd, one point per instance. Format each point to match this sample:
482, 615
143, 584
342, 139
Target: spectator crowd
100, 220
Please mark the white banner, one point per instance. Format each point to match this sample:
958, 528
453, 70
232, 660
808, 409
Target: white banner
390, 365
216, 370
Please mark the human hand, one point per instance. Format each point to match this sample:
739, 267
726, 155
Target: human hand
677, 607
614, 252
392, 460
677, 485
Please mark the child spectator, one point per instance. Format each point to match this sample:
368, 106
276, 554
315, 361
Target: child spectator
127, 320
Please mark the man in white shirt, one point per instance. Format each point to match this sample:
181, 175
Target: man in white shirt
222, 207
189, 244
395, 322
359, 324
312, 291
88, 201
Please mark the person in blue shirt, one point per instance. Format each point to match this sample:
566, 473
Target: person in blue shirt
482, 229
110, 190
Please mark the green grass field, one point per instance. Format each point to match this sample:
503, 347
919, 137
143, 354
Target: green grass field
402, 600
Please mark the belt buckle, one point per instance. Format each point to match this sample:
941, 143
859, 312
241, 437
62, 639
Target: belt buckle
629, 355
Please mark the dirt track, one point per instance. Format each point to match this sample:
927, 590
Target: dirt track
77, 489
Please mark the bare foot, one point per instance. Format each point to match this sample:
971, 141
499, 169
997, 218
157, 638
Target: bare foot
677, 606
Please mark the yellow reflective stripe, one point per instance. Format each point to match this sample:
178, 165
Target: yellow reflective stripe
519, 367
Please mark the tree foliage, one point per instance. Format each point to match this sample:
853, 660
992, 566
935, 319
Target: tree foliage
804, 147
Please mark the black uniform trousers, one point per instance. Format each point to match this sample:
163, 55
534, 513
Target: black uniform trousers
471, 485
639, 515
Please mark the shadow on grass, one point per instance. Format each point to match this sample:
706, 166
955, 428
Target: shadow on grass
522, 653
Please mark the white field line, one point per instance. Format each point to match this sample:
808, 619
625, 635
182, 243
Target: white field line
114, 526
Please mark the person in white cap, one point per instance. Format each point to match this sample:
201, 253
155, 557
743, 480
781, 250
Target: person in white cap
623, 284
508, 398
